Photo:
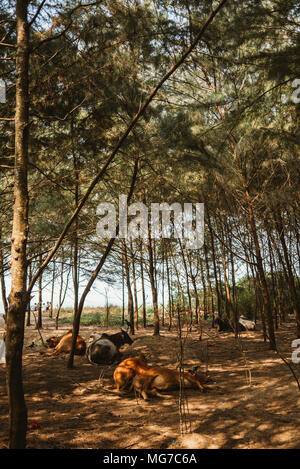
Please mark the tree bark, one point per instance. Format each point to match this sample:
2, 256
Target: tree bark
2, 278
169, 293
260, 269
153, 284
129, 292
75, 231
52, 291
228, 295
143, 286
291, 280
209, 285
219, 300
123, 292
28, 321
136, 308
39, 323
18, 297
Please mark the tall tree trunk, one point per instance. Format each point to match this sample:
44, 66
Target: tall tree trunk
123, 292
180, 291
52, 292
234, 296
2, 278
274, 293
129, 292
186, 277
284, 270
143, 285
219, 301
228, 295
107, 308
136, 308
197, 302
75, 231
29, 306
204, 289
60, 290
291, 279
260, 269
209, 285
153, 284
163, 287
39, 323
169, 293
18, 297
281, 313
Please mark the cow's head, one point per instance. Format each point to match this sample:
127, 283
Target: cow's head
193, 370
94, 336
126, 338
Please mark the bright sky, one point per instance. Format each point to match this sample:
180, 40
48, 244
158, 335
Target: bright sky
95, 298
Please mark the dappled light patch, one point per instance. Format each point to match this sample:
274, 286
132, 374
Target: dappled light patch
197, 441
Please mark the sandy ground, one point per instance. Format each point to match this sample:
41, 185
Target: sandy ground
256, 403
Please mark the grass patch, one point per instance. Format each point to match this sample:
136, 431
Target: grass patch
97, 317
93, 318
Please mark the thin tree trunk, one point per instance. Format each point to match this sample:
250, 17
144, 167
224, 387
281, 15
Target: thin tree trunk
234, 296
163, 288
209, 285
60, 290
129, 292
75, 231
153, 284
197, 302
76, 320
2, 279
143, 285
204, 289
275, 303
291, 280
28, 306
228, 295
39, 323
18, 297
169, 294
186, 277
52, 291
219, 302
107, 308
136, 308
262, 278
123, 292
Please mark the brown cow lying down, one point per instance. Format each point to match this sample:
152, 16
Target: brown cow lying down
160, 378
52, 341
64, 343
126, 371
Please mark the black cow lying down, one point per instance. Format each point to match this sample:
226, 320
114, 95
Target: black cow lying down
104, 349
225, 326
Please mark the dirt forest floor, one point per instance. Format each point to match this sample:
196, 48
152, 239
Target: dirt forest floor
256, 402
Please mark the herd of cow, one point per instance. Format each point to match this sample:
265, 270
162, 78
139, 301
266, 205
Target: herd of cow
135, 374
131, 373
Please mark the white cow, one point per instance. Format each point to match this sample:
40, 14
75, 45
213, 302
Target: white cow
249, 325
